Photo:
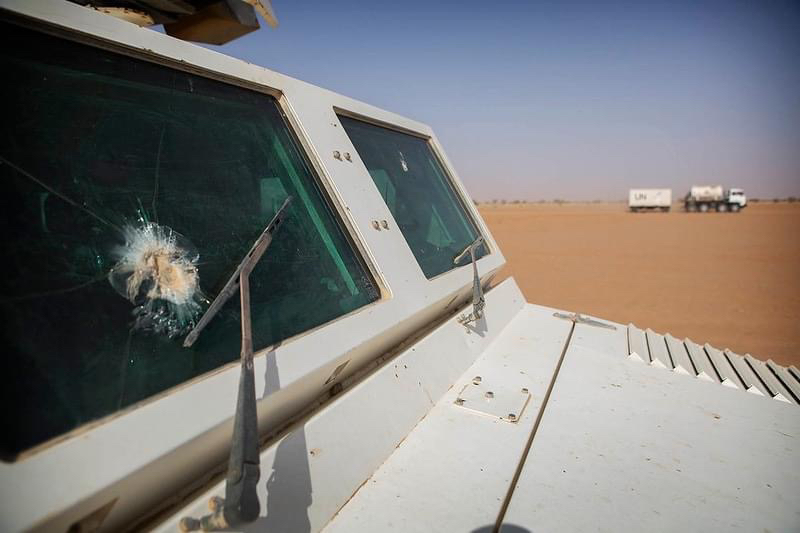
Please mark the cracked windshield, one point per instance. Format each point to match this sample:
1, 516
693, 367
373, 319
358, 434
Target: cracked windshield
132, 192
419, 195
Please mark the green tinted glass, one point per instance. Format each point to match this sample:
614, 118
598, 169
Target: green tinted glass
417, 191
104, 155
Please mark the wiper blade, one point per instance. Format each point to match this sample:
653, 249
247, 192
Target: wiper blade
252, 257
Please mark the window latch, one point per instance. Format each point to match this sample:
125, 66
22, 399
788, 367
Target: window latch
478, 302
241, 505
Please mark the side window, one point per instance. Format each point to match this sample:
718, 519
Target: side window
131, 192
418, 192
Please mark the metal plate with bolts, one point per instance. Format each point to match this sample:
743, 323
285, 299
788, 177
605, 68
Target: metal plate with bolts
496, 401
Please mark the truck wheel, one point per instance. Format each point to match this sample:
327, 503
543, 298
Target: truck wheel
721, 208
703, 208
734, 208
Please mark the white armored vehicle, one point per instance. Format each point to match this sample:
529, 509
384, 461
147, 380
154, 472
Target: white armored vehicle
236, 300
704, 198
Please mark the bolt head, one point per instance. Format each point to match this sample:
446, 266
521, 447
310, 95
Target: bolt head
476, 380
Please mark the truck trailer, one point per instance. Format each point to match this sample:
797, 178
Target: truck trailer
704, 198
649, 199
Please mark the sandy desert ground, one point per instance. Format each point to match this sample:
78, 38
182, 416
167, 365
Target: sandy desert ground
732, 280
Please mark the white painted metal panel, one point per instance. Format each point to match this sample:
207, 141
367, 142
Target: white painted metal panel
453, 471
724, 368
625, 447
312, 470
679, 355
612, 341
752, 383
705, 370
637, 344
788, 380
774, 387
658, 350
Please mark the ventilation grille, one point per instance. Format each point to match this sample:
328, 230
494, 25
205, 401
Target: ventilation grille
719, 366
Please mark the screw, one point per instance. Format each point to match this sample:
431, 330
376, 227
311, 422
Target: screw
459, 401
337, 155
524, 390
376, 225
512, 416
476, 380
347, 156
385, 224
489, 394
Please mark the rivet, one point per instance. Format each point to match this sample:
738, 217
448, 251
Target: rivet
376, 225
489, 394
385, 224
337, 155
347, 156
512, 416
524, 390
459, 401
476, 380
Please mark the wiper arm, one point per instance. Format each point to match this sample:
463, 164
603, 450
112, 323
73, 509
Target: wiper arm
241, 505
250, 260
478, 302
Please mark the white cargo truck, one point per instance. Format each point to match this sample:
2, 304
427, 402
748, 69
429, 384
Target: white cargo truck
649, 199
707, 197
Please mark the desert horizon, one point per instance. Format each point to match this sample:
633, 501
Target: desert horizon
730, 280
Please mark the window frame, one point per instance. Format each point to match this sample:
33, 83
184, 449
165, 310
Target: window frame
305, 150
463, 199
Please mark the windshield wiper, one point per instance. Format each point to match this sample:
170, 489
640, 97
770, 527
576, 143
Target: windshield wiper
241, 505
478, 303
249, 261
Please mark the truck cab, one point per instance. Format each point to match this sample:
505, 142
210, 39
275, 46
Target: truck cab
736, 199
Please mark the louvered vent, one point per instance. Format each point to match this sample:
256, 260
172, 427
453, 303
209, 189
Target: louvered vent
719, 366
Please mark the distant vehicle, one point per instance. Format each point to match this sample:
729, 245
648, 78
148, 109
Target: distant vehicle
647, 199
706, 197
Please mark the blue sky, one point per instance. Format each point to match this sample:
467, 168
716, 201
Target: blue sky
543, 100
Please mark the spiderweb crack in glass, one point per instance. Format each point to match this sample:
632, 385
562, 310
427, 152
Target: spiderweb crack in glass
164, 179
157, 272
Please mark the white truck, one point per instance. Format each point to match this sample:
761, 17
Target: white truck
706, 197
649, 199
